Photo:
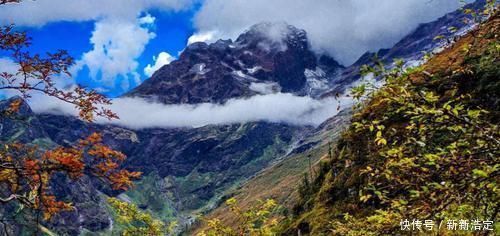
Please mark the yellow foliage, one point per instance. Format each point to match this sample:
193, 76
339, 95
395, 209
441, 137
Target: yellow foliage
138, 222
256, 221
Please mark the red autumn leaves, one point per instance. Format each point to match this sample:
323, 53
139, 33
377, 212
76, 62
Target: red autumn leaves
36, 173
26, 169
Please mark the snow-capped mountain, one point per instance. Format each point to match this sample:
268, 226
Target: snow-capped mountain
267, 58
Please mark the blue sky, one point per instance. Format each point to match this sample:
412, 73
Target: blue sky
113, 41
172, 31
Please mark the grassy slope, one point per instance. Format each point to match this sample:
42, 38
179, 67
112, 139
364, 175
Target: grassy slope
339, 191
280, 181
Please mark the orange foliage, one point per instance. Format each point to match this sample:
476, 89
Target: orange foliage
121, 180
37, 172
27, 169
14, 106
52, 206
35, 74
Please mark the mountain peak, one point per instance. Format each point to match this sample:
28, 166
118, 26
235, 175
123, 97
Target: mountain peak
277, 35
267, 55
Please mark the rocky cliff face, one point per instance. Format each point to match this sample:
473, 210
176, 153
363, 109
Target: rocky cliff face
269, 57
212, 157
20, 127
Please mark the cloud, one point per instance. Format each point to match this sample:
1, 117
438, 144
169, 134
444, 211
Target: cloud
119, 38
206, 36
137, 113
162, 59
8, 66
117, 43
39, 13
345, 29
147, 19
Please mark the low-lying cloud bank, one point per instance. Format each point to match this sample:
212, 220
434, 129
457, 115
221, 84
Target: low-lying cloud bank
137, 113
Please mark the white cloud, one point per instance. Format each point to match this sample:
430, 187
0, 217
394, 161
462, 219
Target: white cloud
147, 19
40, 12
162, 59
8, 66
263, 88
119, 37
345, 29
137, 113
117, 43
207, 36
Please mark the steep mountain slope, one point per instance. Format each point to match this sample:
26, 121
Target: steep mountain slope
268, 58
414, 46
278, 182
196, 161
425, 146
185, 169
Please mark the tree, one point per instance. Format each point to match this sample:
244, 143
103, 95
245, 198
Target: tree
138, 222
255, 221
424, 146
26, 169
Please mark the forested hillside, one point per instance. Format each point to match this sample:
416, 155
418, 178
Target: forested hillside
425, 146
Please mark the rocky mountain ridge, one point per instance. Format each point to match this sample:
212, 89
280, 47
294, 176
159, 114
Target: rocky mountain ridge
267, 58
427, 38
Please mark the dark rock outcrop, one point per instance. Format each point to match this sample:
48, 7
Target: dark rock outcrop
266, 53
229, 152
412, 47
21, 125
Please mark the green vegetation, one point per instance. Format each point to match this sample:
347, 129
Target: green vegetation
257, 221
279, 182
147, 193
137, 222
424, 146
